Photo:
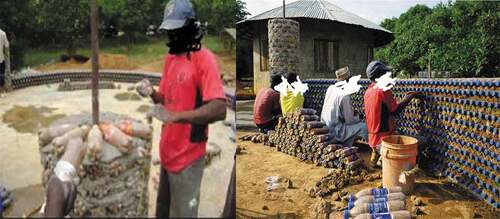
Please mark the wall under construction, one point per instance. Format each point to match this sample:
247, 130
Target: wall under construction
284, 42
113, 184
460, 118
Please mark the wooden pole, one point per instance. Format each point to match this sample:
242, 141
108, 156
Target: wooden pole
94, 43
284, 9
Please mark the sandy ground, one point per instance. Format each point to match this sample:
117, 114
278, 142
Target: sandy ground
441, 198
28, 109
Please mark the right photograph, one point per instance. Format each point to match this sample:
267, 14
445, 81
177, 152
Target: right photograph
368, 109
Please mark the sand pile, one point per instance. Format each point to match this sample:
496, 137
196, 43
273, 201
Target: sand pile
106, 61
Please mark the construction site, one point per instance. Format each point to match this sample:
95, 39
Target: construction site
449, 140
95, 101
40, 103
456, 175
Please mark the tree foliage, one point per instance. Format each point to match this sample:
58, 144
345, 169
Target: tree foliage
227, 13
65, 23
461, 38
17, 24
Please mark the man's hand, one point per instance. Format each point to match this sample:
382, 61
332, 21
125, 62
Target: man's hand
406, 100
144, 88
415, 94
160, 113
60, 197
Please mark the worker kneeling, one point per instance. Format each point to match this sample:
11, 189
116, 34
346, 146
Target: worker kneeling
338, 113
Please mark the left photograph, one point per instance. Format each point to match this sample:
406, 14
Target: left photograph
120, 108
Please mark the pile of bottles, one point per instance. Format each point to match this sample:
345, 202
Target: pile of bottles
377, 203
35, 79
460, 118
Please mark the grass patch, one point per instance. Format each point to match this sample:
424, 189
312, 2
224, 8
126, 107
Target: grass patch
143, 108
124, 96
29, 119
140, 53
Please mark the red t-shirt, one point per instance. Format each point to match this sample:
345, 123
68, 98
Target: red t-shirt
185, 85
267, 105
378, 108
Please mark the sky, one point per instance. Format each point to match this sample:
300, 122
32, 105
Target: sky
373, 10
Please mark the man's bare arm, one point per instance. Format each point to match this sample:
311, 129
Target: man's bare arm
212, 111
403, 104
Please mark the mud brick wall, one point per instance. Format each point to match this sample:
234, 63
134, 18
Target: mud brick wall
116, 185
460, 118
284, 43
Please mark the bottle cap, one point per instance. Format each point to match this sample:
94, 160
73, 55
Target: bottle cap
350, 205
346, 214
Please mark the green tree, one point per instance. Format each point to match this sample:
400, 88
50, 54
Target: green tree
66, 21
17, 22
219, 13
460, 37
241, 11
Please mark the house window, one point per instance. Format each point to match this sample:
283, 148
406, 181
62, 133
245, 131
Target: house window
369, 55
264, 55
326, 55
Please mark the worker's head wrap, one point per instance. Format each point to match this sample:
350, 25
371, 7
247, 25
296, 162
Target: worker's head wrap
291, 77
187, 38
275, 80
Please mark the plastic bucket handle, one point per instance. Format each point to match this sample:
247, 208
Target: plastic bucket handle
386, 154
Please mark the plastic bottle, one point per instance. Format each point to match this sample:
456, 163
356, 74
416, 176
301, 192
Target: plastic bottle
45, 135
79, 132
95, 141
378, 192
346, 151
388, 215
370, 198
114, 136
137, 129
376, 207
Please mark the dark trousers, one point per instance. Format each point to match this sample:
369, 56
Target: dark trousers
163, 198
230, 206
270, 125
2, 74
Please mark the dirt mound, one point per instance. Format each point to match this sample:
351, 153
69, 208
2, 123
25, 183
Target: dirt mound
113, 61
106, 61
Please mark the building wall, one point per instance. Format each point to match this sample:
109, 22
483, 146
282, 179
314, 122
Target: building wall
261, 79
353, 43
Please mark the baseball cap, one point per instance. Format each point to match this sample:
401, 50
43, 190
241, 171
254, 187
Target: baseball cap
376, 69
176, 13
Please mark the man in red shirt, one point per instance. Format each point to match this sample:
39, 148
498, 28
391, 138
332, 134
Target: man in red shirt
266, 108
380, 109
190, 97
